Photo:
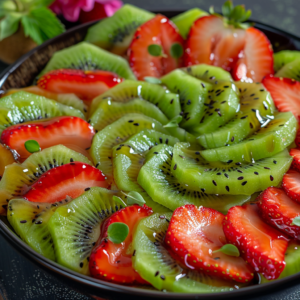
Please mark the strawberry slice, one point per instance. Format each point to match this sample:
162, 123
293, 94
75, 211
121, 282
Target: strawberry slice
279, 210
297, 139
161, 33
291, 184
295, 153
285, 93
210, 42
262, 246
256, 60
72, 132
71, 180
194, 234
84, 84
111, 261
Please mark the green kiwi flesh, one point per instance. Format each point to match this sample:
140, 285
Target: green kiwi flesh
156, 178
110, 111
290, 70
75, 227
127, 90
116, 32
30, 222
275, 136
256, 105
154, 263
25, 174
284, 57
185, 20
85, 56
227, 178
22, 107
72, 100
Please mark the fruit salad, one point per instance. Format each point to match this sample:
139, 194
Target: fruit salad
160, 153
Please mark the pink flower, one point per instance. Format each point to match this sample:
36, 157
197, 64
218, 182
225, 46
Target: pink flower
71, 9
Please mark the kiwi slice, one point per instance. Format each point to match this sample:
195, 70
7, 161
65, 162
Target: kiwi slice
121, 130
284, 57
75, 227
193, 94
125, 91
18, 177
30, 222
290, 70
72, 100
227, 178
23, 107
207, 73
256, 105
109, 111
155, 264
156, 178
276, 135
116, 32
85, 56
292, 262
185, 20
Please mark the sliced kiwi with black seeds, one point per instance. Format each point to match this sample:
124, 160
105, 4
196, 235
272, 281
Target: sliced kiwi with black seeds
30, 222
127, 90
193, 94
256, 110
155, 264
275, 136
284, 57
292, 262
207, 73
290, 70
17, 178
185, 20
227, 178
109, 111
120, 131
23, 107
85, 56
75, 227
156, 178
116, 32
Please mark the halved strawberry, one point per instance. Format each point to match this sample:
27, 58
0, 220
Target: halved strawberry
261, 245
211, 42
72, 132
256, 59
279, 210
84, 84
71, 180
297, 139
158, 31
285, 93
291, 184
111, 261
194, 234
295, 153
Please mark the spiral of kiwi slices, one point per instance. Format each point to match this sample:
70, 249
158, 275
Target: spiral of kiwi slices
194, 137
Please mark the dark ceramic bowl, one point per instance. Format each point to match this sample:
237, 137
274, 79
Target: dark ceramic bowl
21, 74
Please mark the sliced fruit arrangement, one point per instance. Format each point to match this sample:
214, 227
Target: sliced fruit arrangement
7, 157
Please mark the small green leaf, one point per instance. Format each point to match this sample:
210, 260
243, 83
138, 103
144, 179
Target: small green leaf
227, 8
176, 50
296, 221
135, 198
31, 29
152, 80
174, 122
229, 249
211, 10
119, 200
117, 232
155, 50
32, 146
9, 25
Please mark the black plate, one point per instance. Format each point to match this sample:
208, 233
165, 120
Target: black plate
21, 74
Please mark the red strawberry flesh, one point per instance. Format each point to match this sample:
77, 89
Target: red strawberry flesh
295, 153
193, 236
291, 184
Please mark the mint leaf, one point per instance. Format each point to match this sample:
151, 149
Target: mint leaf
42, 3
176, 50
229, 249
152, 80
296, 221
117, 232
31, 29
155, 50
6, 7
9, 25
119, 200
135, 198
174, 122
32, 146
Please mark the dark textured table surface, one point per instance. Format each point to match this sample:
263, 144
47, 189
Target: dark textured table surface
21, 280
